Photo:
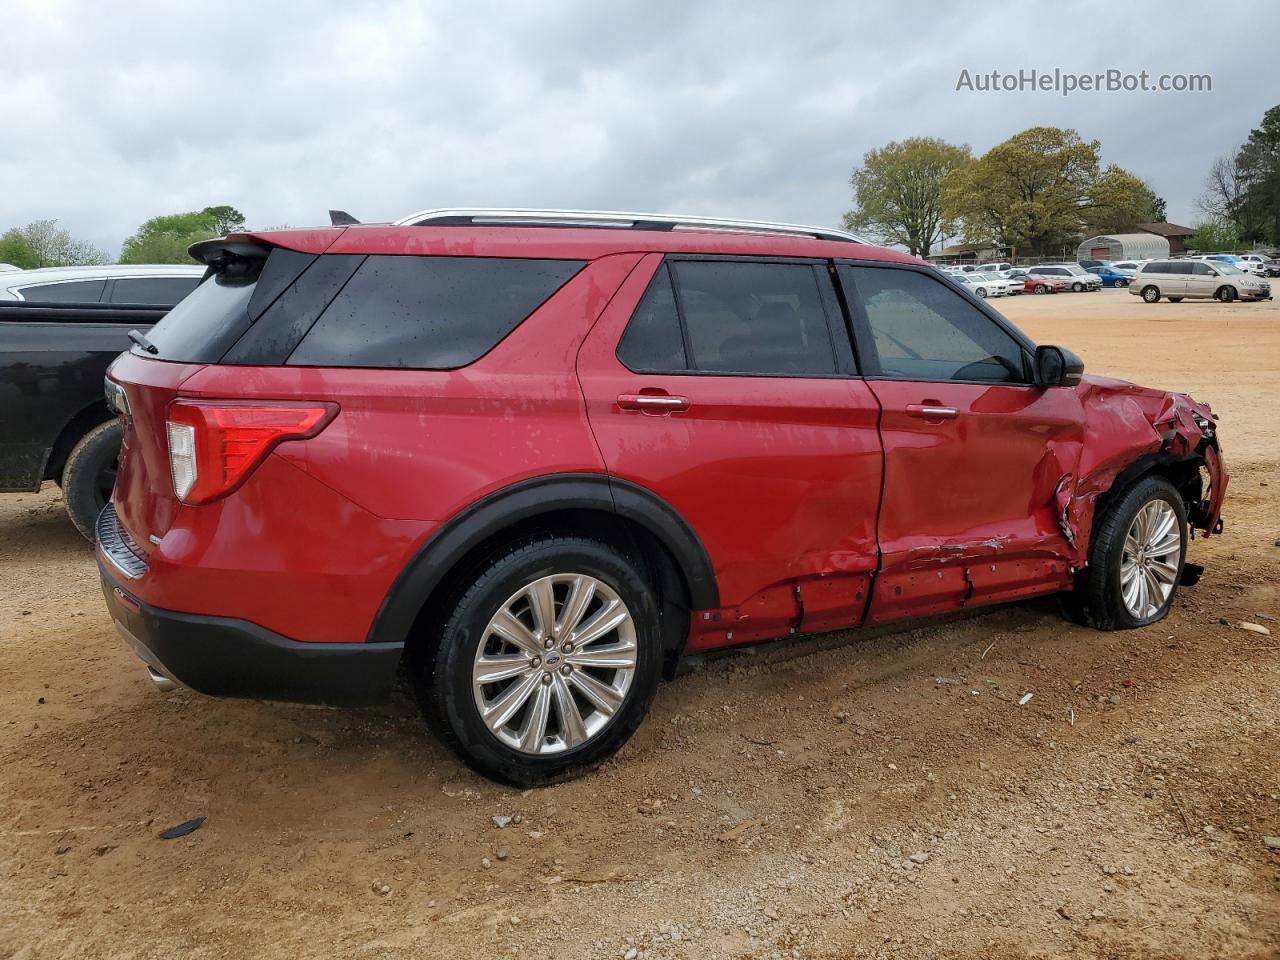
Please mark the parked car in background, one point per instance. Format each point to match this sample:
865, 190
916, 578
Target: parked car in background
1090, 264
1033, 283
982, 285
994, 267
1078, 278
1176, 280
1129, 266
1272, 268
1254, 262
60, 328
745, 431
1111, 277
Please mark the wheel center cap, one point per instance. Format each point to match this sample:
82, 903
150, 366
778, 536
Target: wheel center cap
551, 659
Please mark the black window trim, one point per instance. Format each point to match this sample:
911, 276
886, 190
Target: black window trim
846, 360
868, 356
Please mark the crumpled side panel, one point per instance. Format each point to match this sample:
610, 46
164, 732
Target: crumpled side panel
1123, 422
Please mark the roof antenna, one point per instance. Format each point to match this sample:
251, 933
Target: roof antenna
340, 218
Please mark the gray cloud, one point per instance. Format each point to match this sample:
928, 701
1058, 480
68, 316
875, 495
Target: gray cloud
114, 113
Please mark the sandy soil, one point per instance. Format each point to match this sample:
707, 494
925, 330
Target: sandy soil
839, 797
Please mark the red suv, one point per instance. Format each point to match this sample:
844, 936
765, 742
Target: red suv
536, 457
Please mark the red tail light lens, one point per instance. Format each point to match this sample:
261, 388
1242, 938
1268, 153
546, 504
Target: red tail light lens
215, 444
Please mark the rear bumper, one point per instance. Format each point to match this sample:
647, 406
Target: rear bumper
225, 657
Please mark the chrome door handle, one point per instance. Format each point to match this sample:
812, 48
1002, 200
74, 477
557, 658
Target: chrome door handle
652, 402
929, 411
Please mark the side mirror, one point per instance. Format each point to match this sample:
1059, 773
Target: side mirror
1057, 367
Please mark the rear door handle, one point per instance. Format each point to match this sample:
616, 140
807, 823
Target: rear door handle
931, 411
653, 403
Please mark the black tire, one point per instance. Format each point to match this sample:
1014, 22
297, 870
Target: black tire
1096, 599
1225, 294
1123, 283
1040, 288
1150, 294
89, 475
442, 672
1077, 287
1175, 299
982, 293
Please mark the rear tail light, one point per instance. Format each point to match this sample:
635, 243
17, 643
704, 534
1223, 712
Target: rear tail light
215, 444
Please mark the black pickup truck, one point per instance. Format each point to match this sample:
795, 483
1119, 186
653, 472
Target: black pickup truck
54, 420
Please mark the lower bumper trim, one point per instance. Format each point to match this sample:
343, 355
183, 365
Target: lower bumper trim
226, 657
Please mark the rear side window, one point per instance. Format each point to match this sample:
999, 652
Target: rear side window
162, 291
206, 323
754, 318
653, 341
72, 291
428, 313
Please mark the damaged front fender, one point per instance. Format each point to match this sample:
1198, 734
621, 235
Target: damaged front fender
1130, 431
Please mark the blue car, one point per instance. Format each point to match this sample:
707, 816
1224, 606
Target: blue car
1112, 277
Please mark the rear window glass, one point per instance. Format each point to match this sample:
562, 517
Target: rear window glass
73, 291
206, 323
164, 291
428, 313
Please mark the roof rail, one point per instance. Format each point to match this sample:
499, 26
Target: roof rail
611, 219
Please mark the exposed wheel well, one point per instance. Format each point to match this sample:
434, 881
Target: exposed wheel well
70, 435
660, 566
1185, 473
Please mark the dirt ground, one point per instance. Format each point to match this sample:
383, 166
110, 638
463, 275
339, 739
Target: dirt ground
833, 798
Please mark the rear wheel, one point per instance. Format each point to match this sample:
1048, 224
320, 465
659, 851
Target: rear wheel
547, 663
90, 474
1175, 299
1135, 560
1150, 294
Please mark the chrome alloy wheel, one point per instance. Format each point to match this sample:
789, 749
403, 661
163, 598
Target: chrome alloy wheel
555, 664
1149, 566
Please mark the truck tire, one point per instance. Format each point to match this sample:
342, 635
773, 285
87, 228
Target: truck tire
89, 475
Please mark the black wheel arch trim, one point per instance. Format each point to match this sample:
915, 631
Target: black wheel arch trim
526, 500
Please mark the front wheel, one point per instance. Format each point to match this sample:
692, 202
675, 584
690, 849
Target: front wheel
1135, 560
1226, 294
90, 474
547, 663
1077, 287
1040, 288
982, 293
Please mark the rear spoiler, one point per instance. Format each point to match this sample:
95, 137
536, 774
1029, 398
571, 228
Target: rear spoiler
222, 251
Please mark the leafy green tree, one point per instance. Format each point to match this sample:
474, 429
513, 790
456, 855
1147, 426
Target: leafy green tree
1042, 188
165, 239
1243, 187
1213, 236
42, 243
898, 192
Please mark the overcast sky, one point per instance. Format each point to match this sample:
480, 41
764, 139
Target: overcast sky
112, 113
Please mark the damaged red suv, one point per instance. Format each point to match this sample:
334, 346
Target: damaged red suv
532, 458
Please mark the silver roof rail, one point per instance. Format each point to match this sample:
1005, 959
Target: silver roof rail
528, 217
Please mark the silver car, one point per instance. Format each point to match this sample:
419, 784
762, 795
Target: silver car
1176, 280
1077, 278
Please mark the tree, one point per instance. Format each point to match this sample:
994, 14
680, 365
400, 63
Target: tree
1158, 212
1212, 236
1243, 187
898, 192
225, 219
43, 243
165, 239
1041, 188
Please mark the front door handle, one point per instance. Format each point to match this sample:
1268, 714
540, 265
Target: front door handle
931, 411
653, 403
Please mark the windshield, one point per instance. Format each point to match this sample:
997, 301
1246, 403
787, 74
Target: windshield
1078, 271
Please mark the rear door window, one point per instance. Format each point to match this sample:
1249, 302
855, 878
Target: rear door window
160, 291
428, 313
72, 291
755, 318
920, 329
